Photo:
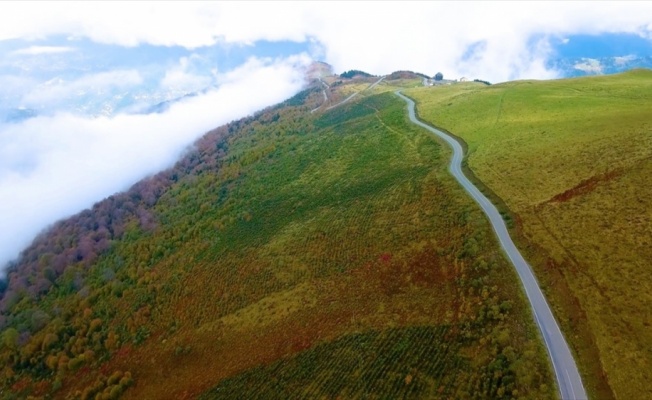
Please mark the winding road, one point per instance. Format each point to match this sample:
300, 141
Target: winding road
323, 91
568, 377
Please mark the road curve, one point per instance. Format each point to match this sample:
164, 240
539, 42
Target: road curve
568, 377
323, 91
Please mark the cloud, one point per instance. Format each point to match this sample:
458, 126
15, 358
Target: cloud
39, 50
14, 85
58, 90
186, 77
381, 38
52, 167
624, 59
589, 65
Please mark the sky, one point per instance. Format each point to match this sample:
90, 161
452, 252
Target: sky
79, 81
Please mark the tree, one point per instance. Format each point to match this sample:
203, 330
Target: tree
354, 72
439, 76
10, 338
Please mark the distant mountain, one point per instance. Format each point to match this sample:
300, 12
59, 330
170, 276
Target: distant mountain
76, 75
147, 98
100, 102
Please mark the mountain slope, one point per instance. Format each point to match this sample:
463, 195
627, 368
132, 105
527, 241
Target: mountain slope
571, 159
288, 252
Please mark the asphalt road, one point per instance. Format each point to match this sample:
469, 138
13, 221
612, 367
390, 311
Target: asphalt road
568, 377
325, 96
356, 93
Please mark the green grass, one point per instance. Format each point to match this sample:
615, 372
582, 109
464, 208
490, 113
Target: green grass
414, 362
359, 365
571, 159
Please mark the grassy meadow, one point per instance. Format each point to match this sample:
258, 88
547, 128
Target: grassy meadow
323, 255
572, 160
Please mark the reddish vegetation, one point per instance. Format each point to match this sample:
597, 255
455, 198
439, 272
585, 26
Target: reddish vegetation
344, 303
20, 385
584, 187
85, 236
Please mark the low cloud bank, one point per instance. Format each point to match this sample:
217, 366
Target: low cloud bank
53, 167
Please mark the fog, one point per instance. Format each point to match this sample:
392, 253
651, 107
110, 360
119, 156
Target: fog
53, 167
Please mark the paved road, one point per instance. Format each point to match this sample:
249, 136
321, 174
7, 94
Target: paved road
323, 91
356, 93
568, 377
375, 83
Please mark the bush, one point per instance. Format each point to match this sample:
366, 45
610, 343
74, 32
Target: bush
354, 72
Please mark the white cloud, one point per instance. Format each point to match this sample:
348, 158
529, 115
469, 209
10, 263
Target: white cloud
380, 38
589, 65
13, 85
624, 59
39, 50
52, 167
181, 77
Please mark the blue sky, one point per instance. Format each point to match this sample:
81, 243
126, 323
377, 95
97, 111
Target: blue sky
602, 45
88, 71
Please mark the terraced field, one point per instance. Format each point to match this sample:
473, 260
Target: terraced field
572, 160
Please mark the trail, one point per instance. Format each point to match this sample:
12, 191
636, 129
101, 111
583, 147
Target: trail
567, 375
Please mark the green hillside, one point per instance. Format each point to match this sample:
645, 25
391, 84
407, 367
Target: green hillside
572, 160
289, 254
